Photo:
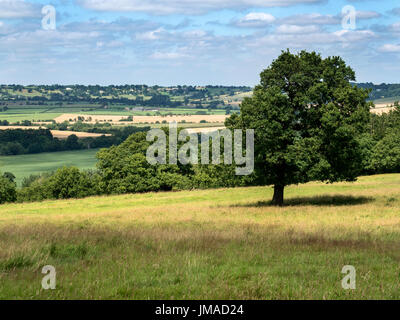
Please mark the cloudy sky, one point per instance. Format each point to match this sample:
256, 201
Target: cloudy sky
162, 42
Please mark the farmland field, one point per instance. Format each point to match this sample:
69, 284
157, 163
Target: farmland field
57, 133
18, 113
25, 165
382, 108
213, 244
12, 118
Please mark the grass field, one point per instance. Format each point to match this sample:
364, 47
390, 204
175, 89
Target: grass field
25, 165
214, 244
12, 118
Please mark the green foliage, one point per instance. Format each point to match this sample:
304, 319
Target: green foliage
94, 98
7, 188
381, 124
386, 153
31, 141
311, 123
69, 183
379, 91
219, 176
65, 183
307, 117
125, 169
367, 146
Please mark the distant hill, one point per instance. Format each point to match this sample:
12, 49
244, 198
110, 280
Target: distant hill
382, 93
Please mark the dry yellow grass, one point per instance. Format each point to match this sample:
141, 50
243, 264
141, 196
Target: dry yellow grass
204, 130
57, 133
65, 134
210, 244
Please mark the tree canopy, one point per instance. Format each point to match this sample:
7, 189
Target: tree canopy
7, 188
307, 116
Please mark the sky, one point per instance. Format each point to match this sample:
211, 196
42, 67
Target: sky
190, 42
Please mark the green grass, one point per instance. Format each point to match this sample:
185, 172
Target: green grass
212, 244
25, 165
12, 118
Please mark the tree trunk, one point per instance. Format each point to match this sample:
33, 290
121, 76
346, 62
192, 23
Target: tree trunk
277, 200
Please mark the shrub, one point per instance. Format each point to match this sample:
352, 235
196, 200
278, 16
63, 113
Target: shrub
386, 153
8, 188
65, 183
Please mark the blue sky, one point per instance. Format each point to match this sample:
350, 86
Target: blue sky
193, 42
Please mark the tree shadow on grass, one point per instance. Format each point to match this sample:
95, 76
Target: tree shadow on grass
324, 200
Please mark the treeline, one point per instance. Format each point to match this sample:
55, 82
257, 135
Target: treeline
124, 169
31, 141
160, 96
127, 95
383, 90
382, 143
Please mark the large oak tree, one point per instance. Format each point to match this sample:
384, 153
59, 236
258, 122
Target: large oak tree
307, 118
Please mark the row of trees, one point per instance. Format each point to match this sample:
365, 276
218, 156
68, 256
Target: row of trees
125, 169
128, 95
30, 141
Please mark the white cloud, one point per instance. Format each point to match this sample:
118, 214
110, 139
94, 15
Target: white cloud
293, 29
255, 20
354, 36
102, 49
325, 19
390, 48
11, 9
150, 35
395, 27
312, 18
185, 6
367, 15
167, 55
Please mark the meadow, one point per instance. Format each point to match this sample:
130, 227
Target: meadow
24, 165
210, 244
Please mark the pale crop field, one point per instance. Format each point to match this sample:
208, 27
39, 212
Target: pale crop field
65, 134
211, 244
382, 108
57, 133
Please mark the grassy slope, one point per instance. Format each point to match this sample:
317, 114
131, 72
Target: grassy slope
214, 244
12, 118
25, 165
389, 100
